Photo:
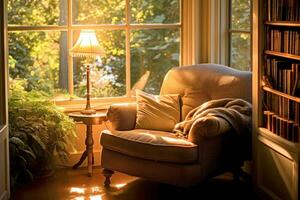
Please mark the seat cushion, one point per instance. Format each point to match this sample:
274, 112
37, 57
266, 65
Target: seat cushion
150, 144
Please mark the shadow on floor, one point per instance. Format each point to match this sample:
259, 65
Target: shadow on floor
212, 189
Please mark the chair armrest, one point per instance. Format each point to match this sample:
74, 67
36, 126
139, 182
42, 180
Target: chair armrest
219, 147
122, 116
208, 126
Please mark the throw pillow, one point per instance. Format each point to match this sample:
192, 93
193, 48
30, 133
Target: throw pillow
157, 112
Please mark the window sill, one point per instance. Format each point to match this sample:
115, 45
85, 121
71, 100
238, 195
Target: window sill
72, 105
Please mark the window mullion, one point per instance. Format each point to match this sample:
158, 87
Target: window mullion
230, 33
239, 31
230, 48
70, 43
37, 28
127, 46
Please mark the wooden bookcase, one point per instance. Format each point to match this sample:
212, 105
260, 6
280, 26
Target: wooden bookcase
276, 99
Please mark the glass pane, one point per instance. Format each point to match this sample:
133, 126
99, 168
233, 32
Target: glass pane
108, 72
241, 51
37, 12
39, 60
153, 11
155, 52
98, 12
240, 14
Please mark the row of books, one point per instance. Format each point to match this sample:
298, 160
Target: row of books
283, 10
285, 128
282, 106
286, 41
283, 76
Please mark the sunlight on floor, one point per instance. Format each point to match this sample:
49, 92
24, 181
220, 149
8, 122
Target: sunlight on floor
92, 193
119, 186
79, 198
77, 190
95, 197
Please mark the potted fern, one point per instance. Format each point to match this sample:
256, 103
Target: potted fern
38, 131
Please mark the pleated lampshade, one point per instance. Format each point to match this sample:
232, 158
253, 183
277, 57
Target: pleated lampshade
87, 45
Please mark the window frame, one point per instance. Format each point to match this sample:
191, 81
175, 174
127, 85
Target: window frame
239, 31
103, 102
3, 69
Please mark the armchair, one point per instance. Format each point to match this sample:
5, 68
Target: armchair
163, 157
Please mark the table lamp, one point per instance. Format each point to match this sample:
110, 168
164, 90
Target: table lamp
87, 45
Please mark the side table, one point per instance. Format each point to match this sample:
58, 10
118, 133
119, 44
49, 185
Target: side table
89, 121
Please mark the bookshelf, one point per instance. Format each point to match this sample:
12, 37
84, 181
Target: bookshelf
282, 55
276, 98
282, 23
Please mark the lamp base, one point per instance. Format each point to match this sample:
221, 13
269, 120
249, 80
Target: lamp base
88, 112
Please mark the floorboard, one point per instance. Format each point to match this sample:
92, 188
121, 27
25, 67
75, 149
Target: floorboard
67, 183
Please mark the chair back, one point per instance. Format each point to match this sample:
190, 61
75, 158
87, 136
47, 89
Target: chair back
212, 81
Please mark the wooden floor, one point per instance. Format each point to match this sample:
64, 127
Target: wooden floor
74, 184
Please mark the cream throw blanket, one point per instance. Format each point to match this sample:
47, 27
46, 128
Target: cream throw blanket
217, 116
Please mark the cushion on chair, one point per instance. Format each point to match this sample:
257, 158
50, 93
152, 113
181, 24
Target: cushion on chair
122, 116
157, 112
150, 144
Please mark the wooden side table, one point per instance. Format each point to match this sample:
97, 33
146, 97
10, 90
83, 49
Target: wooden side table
89, 121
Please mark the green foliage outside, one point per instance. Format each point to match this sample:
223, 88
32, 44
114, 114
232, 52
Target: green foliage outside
34, 60
33, 12
157, 56
241, 14
241, 42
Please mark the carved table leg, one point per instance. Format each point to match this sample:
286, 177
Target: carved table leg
107, 174
82, 158
89, 148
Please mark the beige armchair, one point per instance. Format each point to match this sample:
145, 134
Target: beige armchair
163, 157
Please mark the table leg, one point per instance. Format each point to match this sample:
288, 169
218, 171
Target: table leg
82, 158
89, 147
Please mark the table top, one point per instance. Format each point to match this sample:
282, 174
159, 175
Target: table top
92, 119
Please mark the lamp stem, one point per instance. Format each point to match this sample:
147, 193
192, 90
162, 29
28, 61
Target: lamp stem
88, 110
88, 84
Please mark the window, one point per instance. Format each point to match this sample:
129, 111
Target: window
240, 34
138, 37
